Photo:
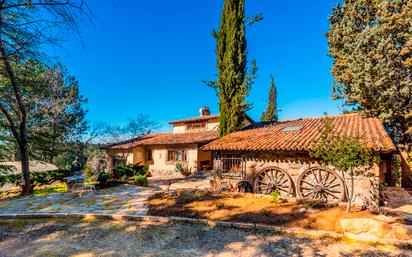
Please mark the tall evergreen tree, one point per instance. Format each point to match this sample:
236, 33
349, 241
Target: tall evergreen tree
233, 83
371, 45
271, 112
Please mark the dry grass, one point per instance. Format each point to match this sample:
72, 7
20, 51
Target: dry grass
55, 188
75, 237
249, 208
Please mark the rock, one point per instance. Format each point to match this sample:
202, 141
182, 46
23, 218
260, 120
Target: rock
385, 218
369, 229
404, 211
302, 210
402, 231
396, 197
360, 225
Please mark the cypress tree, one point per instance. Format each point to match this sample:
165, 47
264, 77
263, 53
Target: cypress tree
271, 112
233, 84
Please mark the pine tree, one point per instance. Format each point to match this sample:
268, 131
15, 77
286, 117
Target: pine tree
233, 82
371, 46
271, 112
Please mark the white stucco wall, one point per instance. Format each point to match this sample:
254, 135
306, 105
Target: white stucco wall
161, 166
210, 125
179, 129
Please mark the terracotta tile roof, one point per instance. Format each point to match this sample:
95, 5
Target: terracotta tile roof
268, 137
204, 118
167, 139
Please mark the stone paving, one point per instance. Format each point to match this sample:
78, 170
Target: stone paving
120, 200
199, 181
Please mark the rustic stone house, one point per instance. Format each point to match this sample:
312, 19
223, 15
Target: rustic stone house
161, 152
275, 156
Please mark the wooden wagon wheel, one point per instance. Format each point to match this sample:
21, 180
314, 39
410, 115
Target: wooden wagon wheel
224, 186
273, 179
320, 183
243, 186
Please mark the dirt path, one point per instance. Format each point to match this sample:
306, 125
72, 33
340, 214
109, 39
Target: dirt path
199, 180
104, 238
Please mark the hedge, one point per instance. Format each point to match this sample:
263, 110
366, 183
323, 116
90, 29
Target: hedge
36, 178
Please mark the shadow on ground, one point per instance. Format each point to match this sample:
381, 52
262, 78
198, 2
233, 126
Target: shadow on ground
110, 238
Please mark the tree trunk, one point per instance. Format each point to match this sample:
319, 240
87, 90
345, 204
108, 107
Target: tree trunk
345, 185
25, 168
352, 191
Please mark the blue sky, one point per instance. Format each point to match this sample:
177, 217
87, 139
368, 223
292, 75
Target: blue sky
150, 57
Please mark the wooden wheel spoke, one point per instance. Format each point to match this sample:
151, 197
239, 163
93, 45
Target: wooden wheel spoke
308, 194
334, 196
304, 181
284, 182
334, 185
270, 175
278, 179
332, 192
320, 183
282, 189
314, 175
330, 182
272, 179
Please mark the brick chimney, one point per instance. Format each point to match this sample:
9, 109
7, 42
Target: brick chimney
204, 111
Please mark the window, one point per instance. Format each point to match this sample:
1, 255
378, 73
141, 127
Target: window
149, 155
118, 161
231, 165
292, 128
177, 155
195, 126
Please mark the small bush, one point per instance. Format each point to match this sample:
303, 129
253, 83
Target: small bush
36, 178
184, 169
126, 171
219, 205
275, 196
88, 171
104, 177
140, 180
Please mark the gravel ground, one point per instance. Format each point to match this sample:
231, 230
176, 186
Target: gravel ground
110, 238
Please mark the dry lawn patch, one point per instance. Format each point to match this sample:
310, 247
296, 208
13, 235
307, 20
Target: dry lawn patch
240, 207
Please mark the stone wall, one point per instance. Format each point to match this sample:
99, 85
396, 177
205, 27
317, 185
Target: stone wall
296, 163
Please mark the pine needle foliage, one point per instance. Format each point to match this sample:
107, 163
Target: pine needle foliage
370, 42
234, 82
271, 112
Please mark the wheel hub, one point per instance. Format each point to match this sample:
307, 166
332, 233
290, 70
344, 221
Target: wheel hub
272, 186
319, 188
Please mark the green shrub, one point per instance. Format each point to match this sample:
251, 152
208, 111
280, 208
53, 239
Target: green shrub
126, 171
219, 205
140, 180
275, 195
37, 178
103, 180
183, 169
88, 171
104, 177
